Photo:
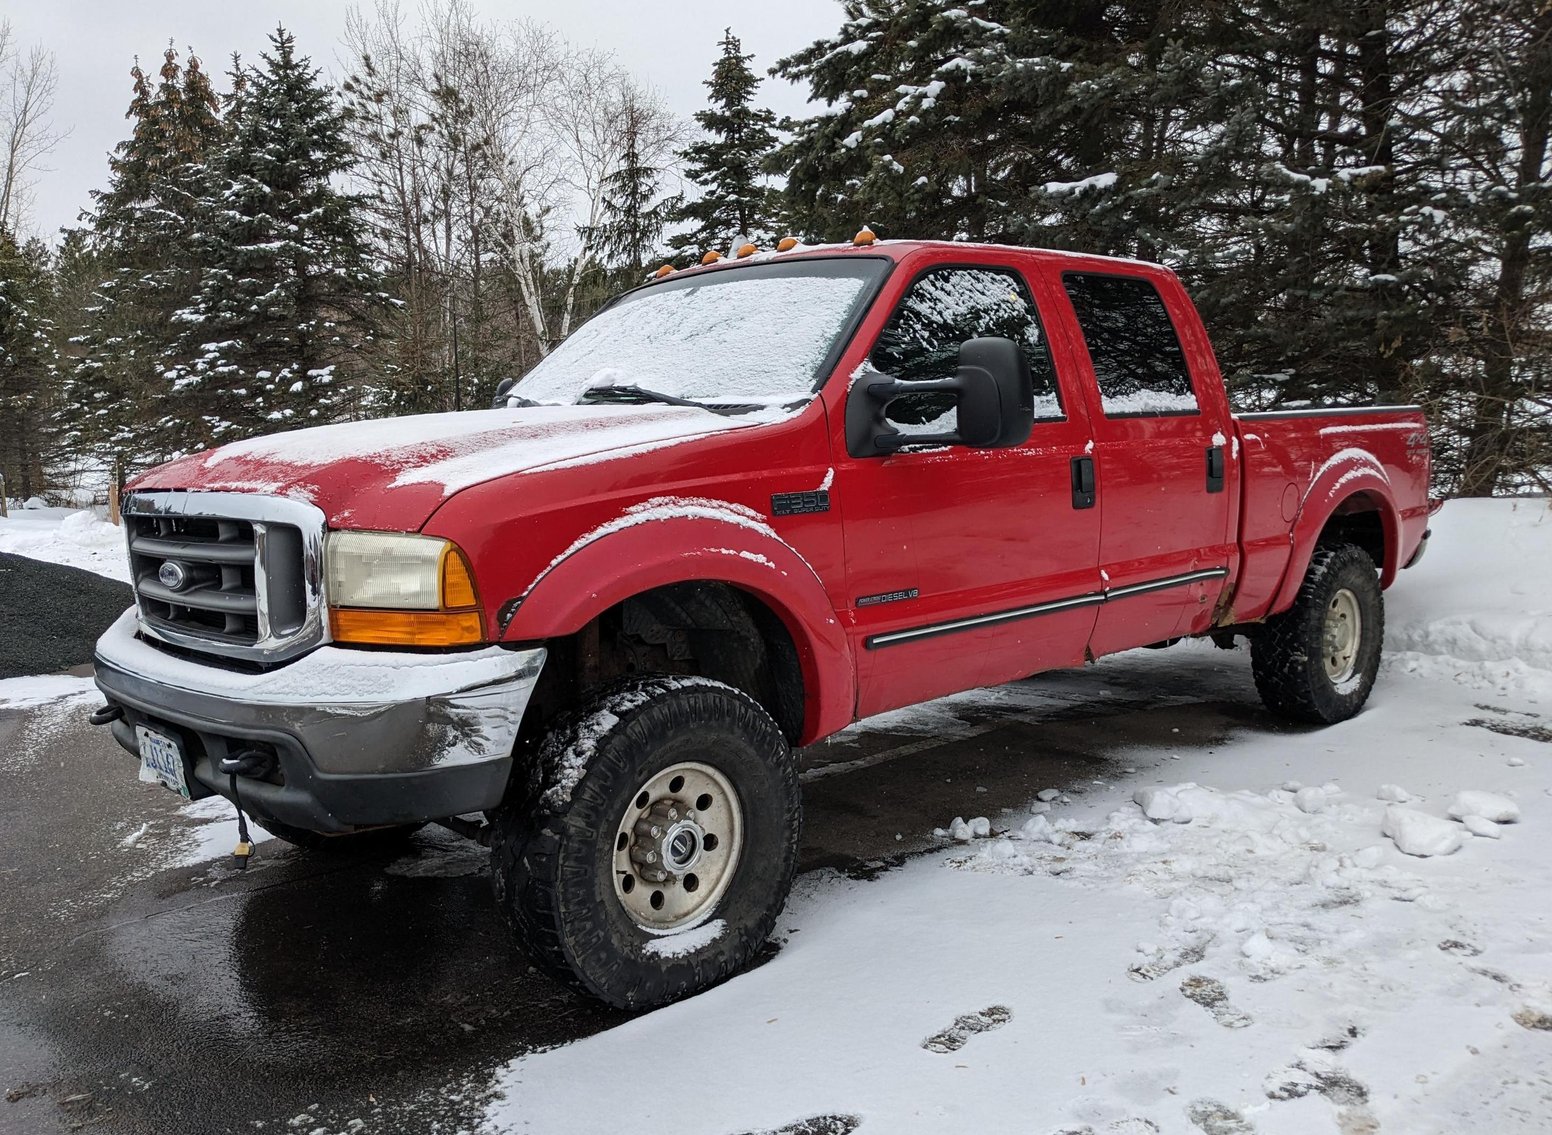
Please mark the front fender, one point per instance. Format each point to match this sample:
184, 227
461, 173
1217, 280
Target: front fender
640, 551
1347, 474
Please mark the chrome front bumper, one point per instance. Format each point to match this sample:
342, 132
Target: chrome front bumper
361, 738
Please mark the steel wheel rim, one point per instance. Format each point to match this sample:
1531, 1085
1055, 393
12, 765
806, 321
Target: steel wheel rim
1341, 636
677, 847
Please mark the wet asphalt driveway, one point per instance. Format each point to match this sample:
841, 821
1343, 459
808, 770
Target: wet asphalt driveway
139, 995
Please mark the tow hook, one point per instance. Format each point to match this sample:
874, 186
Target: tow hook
103, 715
249, 762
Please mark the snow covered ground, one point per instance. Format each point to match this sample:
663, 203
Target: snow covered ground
1258, 956
76, 538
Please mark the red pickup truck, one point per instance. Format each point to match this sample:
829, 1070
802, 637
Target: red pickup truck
742, 507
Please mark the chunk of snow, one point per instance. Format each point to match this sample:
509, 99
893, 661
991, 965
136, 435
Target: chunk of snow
1476, 825
1310, 800
1162, 804
1048, 794
1417, 833
1393, 793
959, 830
1488, 805
980, 827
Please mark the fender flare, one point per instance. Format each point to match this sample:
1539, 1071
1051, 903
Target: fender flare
721, 543
1347, 474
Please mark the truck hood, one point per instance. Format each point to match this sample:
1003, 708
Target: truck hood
393, 473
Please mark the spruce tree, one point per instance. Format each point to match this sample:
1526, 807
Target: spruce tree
271, 338
727, 165
635, 214
29, 366
141, 241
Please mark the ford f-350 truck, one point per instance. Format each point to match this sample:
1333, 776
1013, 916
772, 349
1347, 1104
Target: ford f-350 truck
742, 507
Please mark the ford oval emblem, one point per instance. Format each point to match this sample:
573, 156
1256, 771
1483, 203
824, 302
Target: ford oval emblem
173, 575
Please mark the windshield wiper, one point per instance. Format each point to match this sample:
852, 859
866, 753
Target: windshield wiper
636, 394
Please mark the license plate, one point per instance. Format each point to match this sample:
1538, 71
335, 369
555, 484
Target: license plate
161, 760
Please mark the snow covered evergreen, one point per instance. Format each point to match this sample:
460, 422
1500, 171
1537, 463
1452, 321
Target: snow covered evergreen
727, 165
287, 289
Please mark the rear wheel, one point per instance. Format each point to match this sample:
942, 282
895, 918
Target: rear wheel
660, 846
1316, 662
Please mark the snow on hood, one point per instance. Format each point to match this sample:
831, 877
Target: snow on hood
394, 472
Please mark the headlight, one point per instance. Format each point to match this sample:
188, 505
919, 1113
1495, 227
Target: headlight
398, 589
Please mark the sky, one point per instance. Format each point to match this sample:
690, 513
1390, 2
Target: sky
671, 44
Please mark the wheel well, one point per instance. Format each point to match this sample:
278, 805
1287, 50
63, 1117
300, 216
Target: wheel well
1357, 520
703, 627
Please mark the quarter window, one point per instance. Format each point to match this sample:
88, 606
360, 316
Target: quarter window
941, 311
1138, 363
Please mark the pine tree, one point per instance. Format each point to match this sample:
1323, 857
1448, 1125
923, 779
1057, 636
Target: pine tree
29, 366
141, 234
727, 166
635, 214
284, 306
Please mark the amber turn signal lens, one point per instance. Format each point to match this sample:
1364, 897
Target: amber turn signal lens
457, 582
787, 244
406, 628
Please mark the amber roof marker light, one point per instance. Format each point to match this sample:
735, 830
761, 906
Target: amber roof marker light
665, 270
711, 257
787, 244
865, 236
747, 250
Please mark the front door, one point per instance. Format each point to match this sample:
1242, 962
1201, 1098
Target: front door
966, 567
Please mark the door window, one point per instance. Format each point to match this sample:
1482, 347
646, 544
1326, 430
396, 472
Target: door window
1137, 359
942, 310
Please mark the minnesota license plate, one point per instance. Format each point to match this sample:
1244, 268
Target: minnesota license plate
161, 760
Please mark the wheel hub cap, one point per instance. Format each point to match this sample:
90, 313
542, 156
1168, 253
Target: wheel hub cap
677, 847
1341, 635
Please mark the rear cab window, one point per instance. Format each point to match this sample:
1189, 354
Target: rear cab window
1138, 363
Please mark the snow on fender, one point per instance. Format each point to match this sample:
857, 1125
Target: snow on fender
1417, 833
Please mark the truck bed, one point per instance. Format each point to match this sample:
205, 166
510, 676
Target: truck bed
1296, 464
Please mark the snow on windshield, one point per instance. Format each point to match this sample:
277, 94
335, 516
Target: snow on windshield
750, 335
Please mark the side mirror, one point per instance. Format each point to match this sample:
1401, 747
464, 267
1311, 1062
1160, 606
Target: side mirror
996, 403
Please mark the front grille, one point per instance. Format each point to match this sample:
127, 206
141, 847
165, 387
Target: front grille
215, 557
227, 573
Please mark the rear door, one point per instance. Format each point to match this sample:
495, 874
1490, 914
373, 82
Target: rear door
1162, 453
966, 567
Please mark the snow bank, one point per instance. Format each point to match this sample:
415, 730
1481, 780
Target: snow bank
1478, 607
79, 539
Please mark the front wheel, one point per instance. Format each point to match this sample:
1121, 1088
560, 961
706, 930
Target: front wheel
661, 843
1316, 662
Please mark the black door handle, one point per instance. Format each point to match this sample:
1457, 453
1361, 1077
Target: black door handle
1082, 482
1215, 468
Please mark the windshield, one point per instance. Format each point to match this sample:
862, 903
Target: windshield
753, 336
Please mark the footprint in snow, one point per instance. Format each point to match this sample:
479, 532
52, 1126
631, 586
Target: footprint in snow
1456, 946
818, 1125
1165, 961
1210, 994
953, 1038
1216, 1118
1119, 1127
